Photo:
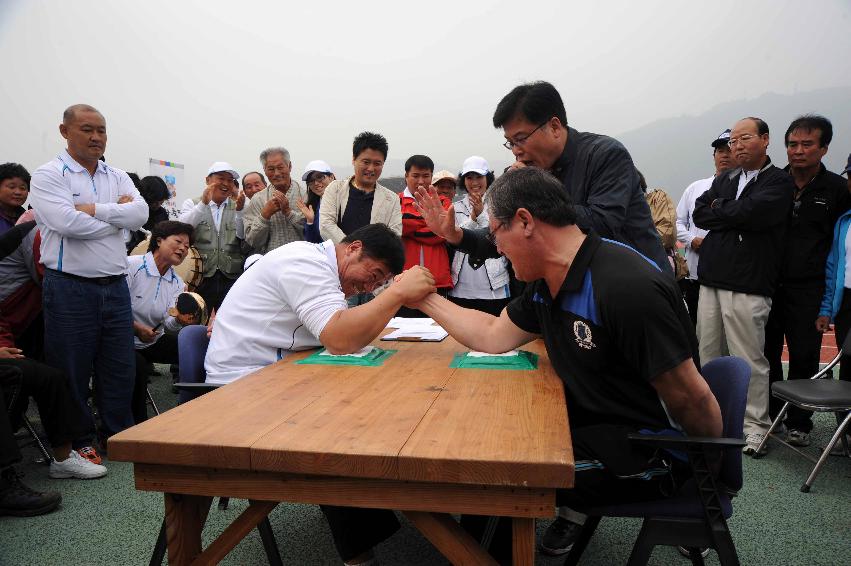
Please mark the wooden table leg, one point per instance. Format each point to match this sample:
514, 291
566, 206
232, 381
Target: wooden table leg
523, 541
185, 516
450, 539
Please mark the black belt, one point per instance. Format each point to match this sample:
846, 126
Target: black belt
105, 280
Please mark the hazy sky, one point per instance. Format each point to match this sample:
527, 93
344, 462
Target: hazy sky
196, 82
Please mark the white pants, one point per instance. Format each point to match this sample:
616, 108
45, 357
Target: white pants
730, 323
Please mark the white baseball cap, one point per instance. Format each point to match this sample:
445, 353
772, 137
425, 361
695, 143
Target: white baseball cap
318, 166
475, 164
222, 167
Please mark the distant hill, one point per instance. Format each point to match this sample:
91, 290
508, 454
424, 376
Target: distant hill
674, 152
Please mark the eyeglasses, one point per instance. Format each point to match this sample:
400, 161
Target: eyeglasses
521, 141
741, 139
316, 178
491, 236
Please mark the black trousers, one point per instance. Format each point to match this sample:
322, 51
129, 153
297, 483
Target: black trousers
794, 310
357, 530
606, 466
690, 289
21, 379
214, 288
163, 351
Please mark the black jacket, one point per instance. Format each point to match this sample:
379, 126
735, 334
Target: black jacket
743, 249
810, 230
602, 182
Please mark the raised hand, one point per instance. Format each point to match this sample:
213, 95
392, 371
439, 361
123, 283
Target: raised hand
477, 203
240, 201
439, 220
306, 210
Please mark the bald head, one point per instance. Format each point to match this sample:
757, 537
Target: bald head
70, 113
84, 128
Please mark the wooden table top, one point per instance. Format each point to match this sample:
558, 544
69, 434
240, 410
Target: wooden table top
414, 419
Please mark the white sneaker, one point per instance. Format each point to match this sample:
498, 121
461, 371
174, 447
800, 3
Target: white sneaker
75, 466
753, 441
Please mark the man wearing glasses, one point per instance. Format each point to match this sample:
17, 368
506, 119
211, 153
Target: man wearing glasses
596, 170
746, 212
820, 197
273, 217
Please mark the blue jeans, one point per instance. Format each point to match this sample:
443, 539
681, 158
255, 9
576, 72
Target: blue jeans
88, 328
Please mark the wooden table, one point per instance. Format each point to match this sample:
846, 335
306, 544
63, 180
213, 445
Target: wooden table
413, 435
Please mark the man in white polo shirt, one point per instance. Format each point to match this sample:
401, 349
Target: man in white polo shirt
294, 298
82, 205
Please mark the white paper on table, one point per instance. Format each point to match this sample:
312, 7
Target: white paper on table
475, 354
359, 354
405, 322
423, 333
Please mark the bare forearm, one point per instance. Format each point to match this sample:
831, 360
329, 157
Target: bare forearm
703, 418
475, 329
352, 329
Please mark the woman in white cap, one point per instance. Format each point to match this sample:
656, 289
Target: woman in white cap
484, 287
317, 175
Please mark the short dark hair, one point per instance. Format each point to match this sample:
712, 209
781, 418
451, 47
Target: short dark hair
534, 189
810, 122
168, 228
381, 244
537, 102
262, 178
420, 162
761, 126
369, 140
154, 189
489, 178
14, 170
137, 182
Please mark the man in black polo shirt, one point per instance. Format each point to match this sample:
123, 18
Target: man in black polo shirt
819, 199
616, 332
596, 171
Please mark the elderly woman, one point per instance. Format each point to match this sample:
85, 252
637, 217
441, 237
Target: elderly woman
154, 288
317, 175
482, 287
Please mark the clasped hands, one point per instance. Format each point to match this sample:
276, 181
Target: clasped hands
414, 285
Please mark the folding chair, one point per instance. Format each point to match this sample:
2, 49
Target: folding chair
192, 345
696, 516
36, 439
820, 393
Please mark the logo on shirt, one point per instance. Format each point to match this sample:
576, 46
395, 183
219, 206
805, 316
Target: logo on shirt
582, 332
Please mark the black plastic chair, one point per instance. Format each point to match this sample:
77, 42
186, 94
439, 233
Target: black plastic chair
192, 345
820, 393
696, 517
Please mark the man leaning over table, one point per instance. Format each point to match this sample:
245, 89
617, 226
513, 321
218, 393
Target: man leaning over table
294, 298
617, 334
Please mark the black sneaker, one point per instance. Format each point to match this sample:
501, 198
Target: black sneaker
20, 501
560, 536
